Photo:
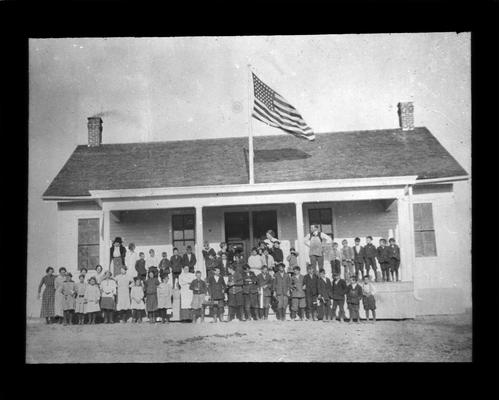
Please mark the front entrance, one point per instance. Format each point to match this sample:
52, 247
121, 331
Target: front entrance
243, 229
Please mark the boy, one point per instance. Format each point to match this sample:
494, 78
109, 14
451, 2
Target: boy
164, 265
151, 261
335, 259
324, 290
359, 256
250, 294
281, 286
384, 260
176, 263
339, 289
238, 261
223, 264
368, 299
370, 254
140, 267
277, 252
268, 260
315, 240
310, 285
198, 287
189, 258
255, 261
394, 259
216, 293
209, 256
264, 281
292, 259
354, 294
298, 302
347, 259
235, 294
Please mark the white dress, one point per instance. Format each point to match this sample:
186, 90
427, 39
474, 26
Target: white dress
184, 280
130, 260
123, 282
59, 297
137, 298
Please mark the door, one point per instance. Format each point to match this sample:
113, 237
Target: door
237, 230
262, 222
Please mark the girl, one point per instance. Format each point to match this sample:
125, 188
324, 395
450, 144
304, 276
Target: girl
69, 292
48, 297
123, 282
368, 299
99, 274
92, 297
80, 289
137, 300
165, 292
59, 298
151, 289
108, 291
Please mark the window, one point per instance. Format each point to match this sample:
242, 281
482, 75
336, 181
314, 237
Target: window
88, 243
322, 217
424, 231
183, 231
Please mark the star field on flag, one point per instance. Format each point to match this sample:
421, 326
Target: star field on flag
273, 109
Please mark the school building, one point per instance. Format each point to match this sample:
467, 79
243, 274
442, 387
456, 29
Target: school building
384, 183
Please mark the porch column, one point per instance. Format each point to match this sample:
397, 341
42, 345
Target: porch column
199, 241
105, 240
300, 234
406, 233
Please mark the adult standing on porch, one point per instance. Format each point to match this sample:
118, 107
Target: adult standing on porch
117, 254
184, 281
270, 239
131, 258
314, 240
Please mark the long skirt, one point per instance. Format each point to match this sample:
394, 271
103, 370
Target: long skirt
151, 302
80, 305
48, 301
117, 264
58, 304
107, 303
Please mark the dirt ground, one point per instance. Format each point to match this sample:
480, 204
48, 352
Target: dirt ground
430, 339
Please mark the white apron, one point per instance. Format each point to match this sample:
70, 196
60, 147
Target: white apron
184, 280
123, 282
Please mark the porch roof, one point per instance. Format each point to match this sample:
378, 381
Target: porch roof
278, 158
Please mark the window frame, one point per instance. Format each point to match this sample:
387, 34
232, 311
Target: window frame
182, 242
89, 266
420, 230
321, 210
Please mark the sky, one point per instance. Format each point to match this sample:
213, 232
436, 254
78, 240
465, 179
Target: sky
157, 89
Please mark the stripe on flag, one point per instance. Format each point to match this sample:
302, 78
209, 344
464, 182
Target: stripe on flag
273, 109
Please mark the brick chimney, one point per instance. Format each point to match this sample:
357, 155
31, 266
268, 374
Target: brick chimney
406, 116
94, 131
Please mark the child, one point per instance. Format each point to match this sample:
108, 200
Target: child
165, 292
176, 262
108, 292
347, 257
198, 287
189, 258
152, 260
216, 292
277, 252
235, 294
268, 260
394, 257
335, 257
359, 257
123, 282
223, 249
210, 258
292, 259
298, 303
383, 256
207, 251
164, 265
255, 261
137, 300
99, 274
354, 294
339, 289
80, 289
310, 285
264, 282
83, 272
281, 287
250, 294
370, 254
223, 263
238, 261
368, 299
324, 295
92, 297
69, 292
151, 290
140, 267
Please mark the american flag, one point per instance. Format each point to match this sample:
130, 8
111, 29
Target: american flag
273, 109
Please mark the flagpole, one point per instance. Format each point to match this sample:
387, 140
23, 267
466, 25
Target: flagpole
250, 128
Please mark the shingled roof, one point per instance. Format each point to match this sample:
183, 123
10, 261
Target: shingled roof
278, 158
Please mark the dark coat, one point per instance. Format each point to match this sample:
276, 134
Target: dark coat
311, 285
383, 254
235, 283
354, 295
339, 289
370, 251
122, 253
277, 254
359, 257
223, 269
198, 286
151, 286
191, 263
216, 289
140, 267
250, 282
177, 263
394, 252
265, 282
297, 286
165, 265
281, 284
325, 289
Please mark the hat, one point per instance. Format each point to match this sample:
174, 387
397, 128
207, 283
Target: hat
117, 239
